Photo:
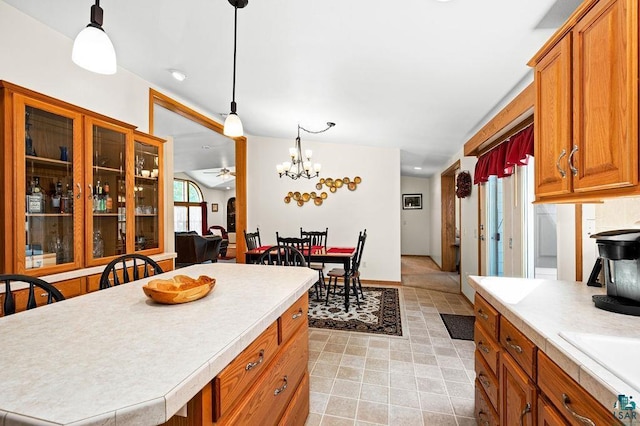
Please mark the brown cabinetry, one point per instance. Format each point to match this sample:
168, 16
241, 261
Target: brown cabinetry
528, 388
586, 108
67, 176
266, 384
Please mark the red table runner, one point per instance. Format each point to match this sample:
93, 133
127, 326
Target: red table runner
340, 250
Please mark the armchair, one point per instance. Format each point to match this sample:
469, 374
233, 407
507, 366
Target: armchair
192, 248
219, 230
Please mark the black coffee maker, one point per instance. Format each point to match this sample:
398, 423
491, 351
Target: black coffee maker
620, 262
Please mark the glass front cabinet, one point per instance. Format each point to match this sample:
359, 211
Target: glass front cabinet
79, 188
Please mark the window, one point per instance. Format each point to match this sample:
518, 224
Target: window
187, 206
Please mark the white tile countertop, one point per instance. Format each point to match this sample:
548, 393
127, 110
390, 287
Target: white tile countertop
543, 309
116, 357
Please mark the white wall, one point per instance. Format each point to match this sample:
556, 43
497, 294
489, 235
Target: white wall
374, 205
416, 224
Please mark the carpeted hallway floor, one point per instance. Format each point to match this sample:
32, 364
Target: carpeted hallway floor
422, 272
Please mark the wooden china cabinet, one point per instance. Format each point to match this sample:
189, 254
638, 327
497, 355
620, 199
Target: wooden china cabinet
73, 194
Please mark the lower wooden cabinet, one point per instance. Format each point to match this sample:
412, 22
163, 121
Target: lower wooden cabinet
530, 389
267, 384
517, 394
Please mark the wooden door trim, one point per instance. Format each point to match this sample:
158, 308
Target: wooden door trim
160, 99
448, 198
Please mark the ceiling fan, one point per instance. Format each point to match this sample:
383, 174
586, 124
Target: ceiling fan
223, 172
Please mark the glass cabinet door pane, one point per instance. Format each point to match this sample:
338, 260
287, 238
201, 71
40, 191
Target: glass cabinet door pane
146, 196
49, 186
108, 187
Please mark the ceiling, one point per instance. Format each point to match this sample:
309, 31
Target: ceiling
419, 75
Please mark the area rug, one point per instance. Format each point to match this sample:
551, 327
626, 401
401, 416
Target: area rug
379, 313
459, 326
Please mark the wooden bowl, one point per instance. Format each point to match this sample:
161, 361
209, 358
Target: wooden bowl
179, 289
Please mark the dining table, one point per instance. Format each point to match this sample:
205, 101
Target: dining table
115, 356
319, 254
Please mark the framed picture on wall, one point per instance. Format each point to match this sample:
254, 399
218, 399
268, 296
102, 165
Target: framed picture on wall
411, 201
214, 207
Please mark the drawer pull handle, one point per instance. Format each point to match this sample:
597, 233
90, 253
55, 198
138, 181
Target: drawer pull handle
483, 379
298, 315
482, 418
515, 347
255, 363
562, 172
281, 388
483, 315
527, 409
483, 348
565, 403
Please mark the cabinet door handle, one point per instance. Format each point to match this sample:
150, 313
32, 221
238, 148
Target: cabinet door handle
483, 379
584, 420
515, 347
485, 421
298, 315
571, 166
482, 315
281, 388
255, 363
525, 410
560, 170
90, 192
79, 191
483, 348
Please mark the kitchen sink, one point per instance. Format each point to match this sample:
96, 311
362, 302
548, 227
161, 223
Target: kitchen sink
619, 355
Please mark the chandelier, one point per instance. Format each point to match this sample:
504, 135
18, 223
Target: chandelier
299, 166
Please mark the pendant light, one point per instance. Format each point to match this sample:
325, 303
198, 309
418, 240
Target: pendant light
92, 48
232, 124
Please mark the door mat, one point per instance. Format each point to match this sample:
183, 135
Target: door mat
459, 326
379, 312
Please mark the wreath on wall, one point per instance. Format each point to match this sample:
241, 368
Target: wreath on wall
463, 185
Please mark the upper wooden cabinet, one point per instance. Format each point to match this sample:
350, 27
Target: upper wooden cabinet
586, 108
72, 196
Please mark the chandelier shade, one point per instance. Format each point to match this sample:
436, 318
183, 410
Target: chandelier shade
92, 48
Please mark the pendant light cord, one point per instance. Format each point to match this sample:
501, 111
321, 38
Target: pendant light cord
235, 36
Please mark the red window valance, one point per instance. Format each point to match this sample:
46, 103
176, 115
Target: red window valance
501, 160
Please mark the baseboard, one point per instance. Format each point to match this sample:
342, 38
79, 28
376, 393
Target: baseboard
381, 282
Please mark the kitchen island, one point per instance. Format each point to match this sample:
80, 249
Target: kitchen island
115, 357
536, 320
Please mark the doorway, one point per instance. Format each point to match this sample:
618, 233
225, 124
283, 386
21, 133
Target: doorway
157, 99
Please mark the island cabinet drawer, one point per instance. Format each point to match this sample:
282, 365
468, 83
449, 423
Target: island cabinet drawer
298, 409
487, 348
243, 371
486, 316
488, 380
519, 346
569, 398
485, 414
266, 401
296, 315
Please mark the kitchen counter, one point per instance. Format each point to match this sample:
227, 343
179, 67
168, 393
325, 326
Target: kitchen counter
542, 309
115, 357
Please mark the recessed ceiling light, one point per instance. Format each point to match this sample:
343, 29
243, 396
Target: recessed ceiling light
420, 168
228, 187
206, 146
178, 75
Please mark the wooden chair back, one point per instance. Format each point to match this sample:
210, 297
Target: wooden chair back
9, 306
114, 275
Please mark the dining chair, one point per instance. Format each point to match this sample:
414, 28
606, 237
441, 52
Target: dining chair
318, 239
35, 284
354, 272
282, 256
252, 239
110, 275
303, 245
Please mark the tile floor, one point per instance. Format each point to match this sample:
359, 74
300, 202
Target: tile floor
423, 378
